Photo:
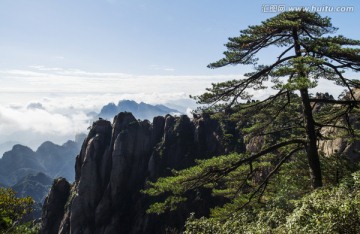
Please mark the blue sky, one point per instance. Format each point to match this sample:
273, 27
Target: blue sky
137, 37
70, 57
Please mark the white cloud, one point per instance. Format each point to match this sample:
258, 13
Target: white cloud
189, 112
169, 69
35, 105
18, 123
161, 68
43, 68
42, 79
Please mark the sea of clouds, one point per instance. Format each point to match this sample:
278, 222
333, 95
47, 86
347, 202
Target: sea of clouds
40, 103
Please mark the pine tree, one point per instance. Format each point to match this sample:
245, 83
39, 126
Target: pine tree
283, 125
309, 55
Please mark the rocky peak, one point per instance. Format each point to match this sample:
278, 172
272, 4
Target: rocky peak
54, 206
113, 166
326, 96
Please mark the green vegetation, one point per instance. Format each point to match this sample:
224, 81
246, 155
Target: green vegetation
26, 228
326, 210
268, 188
12, 210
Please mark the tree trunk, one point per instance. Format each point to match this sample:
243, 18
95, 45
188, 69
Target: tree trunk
311, 147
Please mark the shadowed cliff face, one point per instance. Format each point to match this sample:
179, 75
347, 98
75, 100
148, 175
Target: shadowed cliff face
113, 166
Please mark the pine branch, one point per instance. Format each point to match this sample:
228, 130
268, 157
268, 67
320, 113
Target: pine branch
266, 181
342, 78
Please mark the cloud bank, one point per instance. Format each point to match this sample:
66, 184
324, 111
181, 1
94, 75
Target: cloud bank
42, 103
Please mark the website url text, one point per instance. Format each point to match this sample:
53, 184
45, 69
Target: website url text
278, 8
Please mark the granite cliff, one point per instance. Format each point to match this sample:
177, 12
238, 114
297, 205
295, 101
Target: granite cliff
113, 166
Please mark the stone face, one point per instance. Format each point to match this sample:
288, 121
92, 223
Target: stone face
113, 166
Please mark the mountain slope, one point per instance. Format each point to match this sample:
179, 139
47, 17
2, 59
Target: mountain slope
36, 186
50, 159
17, 163
6, 146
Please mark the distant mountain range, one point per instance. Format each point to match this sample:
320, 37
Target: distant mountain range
51, 159
139, 110
31, 173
